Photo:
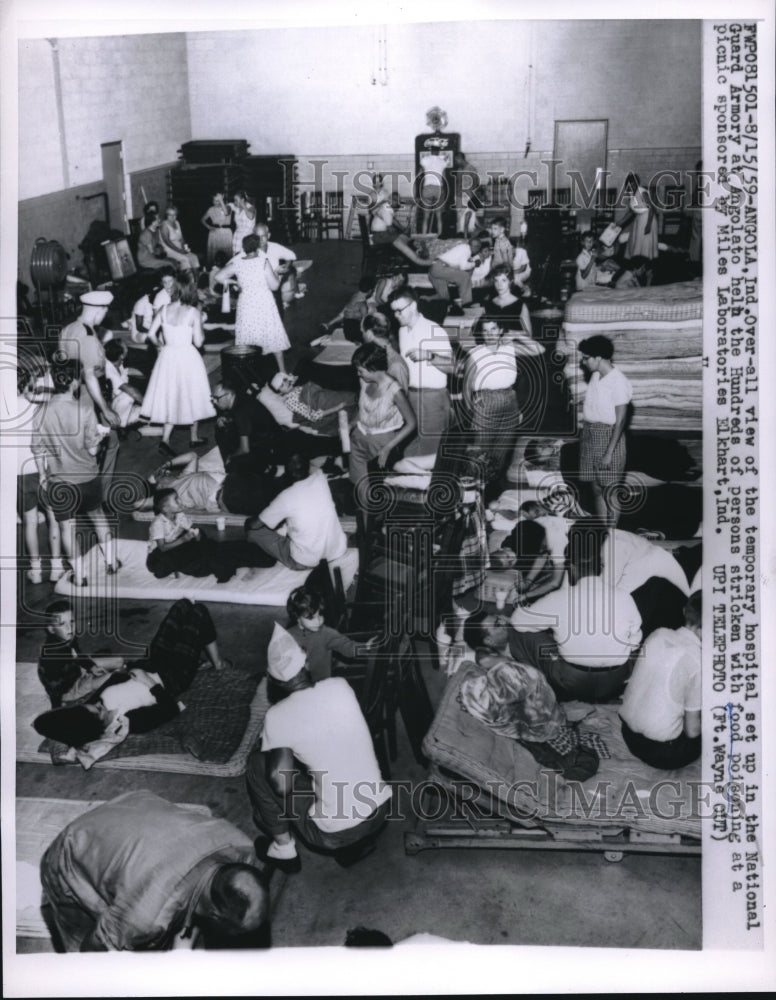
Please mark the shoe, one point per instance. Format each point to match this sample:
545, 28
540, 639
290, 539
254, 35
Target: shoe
34, 575
455, 311
83, 582
289, 866
113, 570
165, 449
346, 857
197, 442
193, 745
56, 570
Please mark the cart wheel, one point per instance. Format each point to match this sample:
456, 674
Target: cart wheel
413, 844
614, 856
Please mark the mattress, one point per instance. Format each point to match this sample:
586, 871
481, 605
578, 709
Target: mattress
270, 587
624, 792
664, 303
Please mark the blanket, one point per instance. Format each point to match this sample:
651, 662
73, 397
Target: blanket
224, 712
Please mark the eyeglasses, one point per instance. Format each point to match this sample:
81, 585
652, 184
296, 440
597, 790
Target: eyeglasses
216, 398
400, 309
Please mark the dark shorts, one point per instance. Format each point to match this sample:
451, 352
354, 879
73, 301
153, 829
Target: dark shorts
27, 495
389, 235
67, 500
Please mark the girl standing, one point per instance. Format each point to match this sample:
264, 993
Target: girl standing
218, 222
244, 219
178, 391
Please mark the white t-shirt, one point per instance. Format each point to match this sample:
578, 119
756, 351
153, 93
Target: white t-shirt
310, 519
459, 256
277, 252
583, 260
491, 369
145, 310
427, 336
556, 530
603, 394
22, 418
521, 260
325, 729
162, 298
434, 166
665, 683
122, 698
594, 625
630, 560
165, 529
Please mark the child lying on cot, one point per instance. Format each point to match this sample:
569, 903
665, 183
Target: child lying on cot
131, 697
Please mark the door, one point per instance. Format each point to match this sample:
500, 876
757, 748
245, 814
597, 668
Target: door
115, 186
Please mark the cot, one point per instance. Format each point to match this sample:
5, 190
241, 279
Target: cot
270, 587
485, 790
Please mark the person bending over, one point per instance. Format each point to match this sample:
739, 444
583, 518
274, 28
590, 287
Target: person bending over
139, 873
661, 707
316, 764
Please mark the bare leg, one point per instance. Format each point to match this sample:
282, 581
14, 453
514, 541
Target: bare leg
105, 539
166, 433
214, 655
278, 355
194, 431
55, 545
72, 548
438, 220
30, 519
599, 504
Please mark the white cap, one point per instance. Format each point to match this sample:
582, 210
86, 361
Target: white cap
284, 657
96, 298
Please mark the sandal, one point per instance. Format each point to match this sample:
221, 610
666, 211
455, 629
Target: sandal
83, 582
113, 570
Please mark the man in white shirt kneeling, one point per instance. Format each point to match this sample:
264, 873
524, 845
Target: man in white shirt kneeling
316, 772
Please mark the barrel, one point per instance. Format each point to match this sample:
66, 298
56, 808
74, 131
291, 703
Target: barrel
242, 364
48, 263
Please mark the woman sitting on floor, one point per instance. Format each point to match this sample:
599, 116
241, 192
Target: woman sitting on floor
141, 695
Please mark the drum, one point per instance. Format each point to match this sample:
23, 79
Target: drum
48, 263
241, 364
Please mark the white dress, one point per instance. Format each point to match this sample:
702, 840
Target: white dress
243, 225
178, 391
258, 321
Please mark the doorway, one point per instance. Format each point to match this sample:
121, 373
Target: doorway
580, 152
115, 184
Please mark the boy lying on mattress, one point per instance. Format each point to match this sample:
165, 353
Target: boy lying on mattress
97, 703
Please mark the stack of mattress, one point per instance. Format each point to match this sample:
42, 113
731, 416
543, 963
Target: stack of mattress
658, 343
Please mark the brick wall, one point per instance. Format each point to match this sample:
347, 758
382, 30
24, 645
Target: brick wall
133, 88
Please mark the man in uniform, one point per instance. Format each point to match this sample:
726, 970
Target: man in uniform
78, 341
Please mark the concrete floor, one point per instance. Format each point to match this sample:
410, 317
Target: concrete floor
482, 896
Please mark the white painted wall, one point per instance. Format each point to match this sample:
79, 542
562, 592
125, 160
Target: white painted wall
129, 87
310, 91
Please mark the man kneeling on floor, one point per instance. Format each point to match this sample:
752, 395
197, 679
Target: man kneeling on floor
141, 874
661, 707
316, 771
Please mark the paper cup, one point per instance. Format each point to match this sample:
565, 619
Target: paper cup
221, 523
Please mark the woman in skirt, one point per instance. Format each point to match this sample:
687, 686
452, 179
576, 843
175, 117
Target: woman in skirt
604, 414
